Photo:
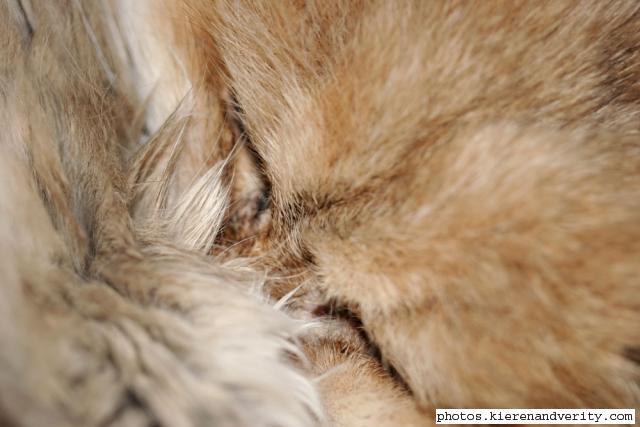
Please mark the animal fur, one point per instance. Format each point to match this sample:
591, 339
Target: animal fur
110, 318
443, 197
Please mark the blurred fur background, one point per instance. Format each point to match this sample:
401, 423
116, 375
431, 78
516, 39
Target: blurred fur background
217, 212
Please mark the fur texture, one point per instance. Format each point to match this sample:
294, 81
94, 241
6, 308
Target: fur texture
461, 177
111, 313
443, 199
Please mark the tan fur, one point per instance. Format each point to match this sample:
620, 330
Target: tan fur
463, 177
446, 193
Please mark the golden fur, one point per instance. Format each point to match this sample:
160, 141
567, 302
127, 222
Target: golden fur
447, 195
